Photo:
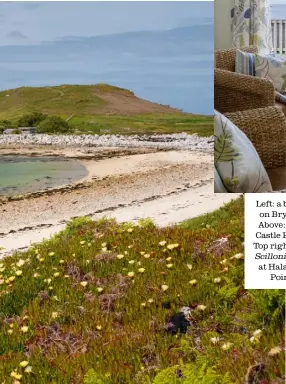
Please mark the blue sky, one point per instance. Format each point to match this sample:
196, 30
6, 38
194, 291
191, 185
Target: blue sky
163, 51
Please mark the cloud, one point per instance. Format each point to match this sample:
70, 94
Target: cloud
16, 35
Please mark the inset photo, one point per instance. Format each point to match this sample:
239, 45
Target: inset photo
250, 96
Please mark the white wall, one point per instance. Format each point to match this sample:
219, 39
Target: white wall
222, 23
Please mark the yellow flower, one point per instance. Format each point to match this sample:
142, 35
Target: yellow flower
130, 274
20, 263
103, 244
82, 242
237, 256
274, 351
51, 288
164, 287
2, 281
201, 307
131, 262
104, 249
24, 329
215, 340
55, 315
62, 261
83, 283
225, 269
217, 280
142, 253
11, 325
66, 276
11, 278
2, 269
143, 304
150, 301
257, 333
120, 256
172, 246
51, 254
223, 261
100, 289
24, 363
141, 270
25, 317
147, 255
28, 369
169, 265
226, 346
56, 274
169, 258
193, 282
130, 230
36, 275
162, 243
41, 259
10, 331
99, 327
16, 375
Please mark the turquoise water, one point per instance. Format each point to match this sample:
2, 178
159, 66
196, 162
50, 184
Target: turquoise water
21, 174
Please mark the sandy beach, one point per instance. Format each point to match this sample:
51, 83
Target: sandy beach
167, 187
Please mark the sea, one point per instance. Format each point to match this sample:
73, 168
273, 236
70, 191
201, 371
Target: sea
39, 173
278, 11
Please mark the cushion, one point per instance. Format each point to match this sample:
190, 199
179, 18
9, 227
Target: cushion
272, 68
236, 160
269, 66
218, 184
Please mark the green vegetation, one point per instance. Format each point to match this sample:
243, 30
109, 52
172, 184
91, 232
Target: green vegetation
53, 124
96, 109
89, 306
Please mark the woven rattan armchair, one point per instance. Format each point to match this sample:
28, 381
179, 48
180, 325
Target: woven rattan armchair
249, 102
236, 92
266, 129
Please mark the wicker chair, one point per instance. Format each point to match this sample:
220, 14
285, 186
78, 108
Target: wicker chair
250, 103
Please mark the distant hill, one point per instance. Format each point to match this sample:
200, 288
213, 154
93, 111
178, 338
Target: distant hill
81, 100
100, 108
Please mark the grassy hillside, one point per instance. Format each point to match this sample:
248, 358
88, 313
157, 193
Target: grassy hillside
100, 109
90, 305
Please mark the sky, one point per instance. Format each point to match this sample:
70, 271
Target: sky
165, 47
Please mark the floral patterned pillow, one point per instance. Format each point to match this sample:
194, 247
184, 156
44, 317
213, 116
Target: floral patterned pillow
236, 160
273, 68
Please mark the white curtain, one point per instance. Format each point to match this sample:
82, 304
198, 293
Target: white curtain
251, 24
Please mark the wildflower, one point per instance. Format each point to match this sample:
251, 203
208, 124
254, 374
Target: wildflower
66, 276
100, 289
193, 282
10, 331
11, 325
169, 258
130, 274
190, 266
253, 339
169, 265
55, 298
223, 261
120, 256
164, 287
83, 283
36, 275
51, 288
20, 263
225, 269
274, 351
99, 327
103, 244
226, 346
141, 270
257, 333
82, 242
162, 243
142, 253
143, 304
56, 274
147, 255
24, 363
25, 317
104, 249
62, 261
150, 301
217, 280
237, 256
2, 281
41, 259
47, 281
16, 375
215, 340
131, 261
2, 269
55, 315
201, 307
172, 246
130, 230
28, 369
24, 329
89, 244
11, 278
51, 254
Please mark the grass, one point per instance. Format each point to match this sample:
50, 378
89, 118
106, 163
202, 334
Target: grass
70, 311
87, 104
